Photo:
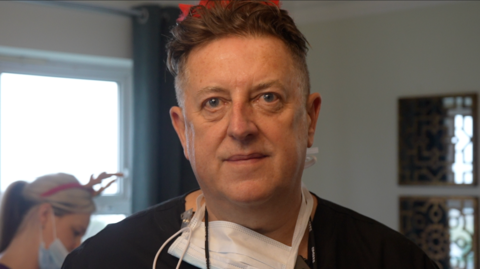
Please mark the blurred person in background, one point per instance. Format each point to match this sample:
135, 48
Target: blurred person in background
41, 222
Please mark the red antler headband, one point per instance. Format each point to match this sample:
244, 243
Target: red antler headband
89, 186
209, 3
63, 187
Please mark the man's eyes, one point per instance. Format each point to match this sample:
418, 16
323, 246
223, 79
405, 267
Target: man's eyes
269, 97
216, 102
213, 102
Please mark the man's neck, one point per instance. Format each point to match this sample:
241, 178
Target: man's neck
276, 220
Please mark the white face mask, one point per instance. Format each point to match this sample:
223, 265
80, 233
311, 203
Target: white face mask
234, 246
53, 257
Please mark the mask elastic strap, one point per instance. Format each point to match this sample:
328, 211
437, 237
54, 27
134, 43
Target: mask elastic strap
41, 236
54, 227
310, 159
302, 222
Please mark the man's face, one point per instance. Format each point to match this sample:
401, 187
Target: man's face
246, 124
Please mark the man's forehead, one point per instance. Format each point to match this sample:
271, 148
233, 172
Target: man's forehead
247, 46
238, 59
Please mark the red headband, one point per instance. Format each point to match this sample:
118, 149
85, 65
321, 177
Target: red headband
209, 3
61, 188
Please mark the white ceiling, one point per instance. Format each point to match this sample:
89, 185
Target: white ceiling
315, 11
308, 11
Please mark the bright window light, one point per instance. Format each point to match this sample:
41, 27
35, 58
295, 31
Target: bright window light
50, 125
98, 222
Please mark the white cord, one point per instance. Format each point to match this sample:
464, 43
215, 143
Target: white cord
185, 251
170, 239
198, 217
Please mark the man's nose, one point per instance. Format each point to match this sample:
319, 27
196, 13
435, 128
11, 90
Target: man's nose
242, 124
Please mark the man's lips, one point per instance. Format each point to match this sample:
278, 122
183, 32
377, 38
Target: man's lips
245, 157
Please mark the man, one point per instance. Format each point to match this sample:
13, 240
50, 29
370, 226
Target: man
245, 119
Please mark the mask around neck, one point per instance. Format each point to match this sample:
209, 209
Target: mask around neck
233, 246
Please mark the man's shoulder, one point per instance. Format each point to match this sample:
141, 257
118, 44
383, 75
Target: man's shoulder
362, 242
163, 217
132, 242
338, 212
345, 220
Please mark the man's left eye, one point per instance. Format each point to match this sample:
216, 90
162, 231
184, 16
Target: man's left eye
213, 102
269, 97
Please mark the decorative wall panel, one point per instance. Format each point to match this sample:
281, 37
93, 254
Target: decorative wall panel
437, 140
444, 227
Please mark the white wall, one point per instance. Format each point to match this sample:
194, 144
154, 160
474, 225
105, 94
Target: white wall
361, 66
48, 28
58, 29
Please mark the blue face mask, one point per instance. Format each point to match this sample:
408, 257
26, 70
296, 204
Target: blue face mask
53, 257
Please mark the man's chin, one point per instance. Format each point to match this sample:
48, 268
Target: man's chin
250, 194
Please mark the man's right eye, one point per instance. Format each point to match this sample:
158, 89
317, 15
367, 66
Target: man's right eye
213, 102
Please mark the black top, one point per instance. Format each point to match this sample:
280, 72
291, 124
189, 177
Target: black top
344, 239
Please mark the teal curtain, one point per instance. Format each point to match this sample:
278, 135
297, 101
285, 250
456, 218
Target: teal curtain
160, 170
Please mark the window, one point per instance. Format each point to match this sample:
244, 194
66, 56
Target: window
51, 124
67, 116
437, 140
437, 147
443, 227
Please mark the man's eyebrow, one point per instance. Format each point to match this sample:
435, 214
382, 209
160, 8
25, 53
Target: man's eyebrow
268, 84
209, 89
258, 87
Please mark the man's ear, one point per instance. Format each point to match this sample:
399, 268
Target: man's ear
44, 211
314, 103
178, 122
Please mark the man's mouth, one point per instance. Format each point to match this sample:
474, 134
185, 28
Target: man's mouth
245, 157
